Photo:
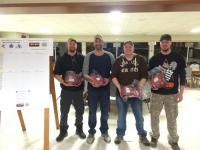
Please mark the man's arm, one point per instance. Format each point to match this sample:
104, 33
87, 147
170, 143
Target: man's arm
143, 73
112, 59
115, 74
117, 84
59, 78
142, 83
182, 75
86, 68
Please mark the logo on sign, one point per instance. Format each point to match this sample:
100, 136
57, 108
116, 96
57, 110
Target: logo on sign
34, 44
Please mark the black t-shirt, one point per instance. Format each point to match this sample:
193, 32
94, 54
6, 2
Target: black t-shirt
102, 65
69, 63
173, 63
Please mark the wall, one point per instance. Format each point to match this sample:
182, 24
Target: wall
136, 38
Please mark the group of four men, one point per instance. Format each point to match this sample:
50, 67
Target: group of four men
127, 67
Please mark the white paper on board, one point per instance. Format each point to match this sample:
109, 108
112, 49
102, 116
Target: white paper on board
24, 73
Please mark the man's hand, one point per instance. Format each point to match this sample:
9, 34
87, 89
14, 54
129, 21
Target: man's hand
118, 86
92, 82
67, 84
106, 81
141, 86
79, 83
179, 97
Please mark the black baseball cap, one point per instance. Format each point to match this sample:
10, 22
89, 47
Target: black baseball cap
167, 37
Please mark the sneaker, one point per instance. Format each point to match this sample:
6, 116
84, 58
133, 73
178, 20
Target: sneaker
143, 139
90, 138
106, 137
174, 146
61, 136
118, 139
153, 142
81, 134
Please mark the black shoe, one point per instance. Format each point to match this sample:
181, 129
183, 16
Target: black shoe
79, 131
174, 146
118, 139
81, 134
62, 135
143, 139
153, 142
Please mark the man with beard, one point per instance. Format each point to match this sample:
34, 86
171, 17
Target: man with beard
70, 93
173, 66
100, 62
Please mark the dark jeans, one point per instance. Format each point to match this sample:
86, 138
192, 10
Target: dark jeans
95, 97
68, 98
122, 106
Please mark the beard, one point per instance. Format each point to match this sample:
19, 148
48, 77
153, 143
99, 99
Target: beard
72, 50
165, 49
98, 47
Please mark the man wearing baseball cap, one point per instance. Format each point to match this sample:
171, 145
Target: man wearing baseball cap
70, 94
129, 67
100, 62
173, 66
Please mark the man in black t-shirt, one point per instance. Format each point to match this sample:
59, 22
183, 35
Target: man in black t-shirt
70, 62
173, 66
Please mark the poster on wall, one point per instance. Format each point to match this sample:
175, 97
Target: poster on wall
24, 73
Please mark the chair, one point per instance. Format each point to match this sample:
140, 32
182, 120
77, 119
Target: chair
189, 76
197, 80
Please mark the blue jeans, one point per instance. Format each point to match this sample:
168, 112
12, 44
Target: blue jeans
122, 106
95, 97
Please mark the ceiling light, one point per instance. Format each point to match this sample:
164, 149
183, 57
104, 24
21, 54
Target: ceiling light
116, 30
115, 12
45, 31
115, 15
3, 18
195, 30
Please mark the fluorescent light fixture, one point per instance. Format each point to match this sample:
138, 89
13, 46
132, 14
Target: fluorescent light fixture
45, 31
116, 30
196, 30
4, 18
115, 15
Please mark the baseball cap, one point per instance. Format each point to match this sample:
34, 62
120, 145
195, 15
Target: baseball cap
98, 36
128, 42
72, 40
166, 37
